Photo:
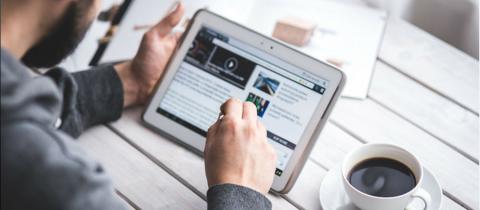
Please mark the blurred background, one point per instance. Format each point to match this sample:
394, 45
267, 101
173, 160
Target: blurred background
455, 22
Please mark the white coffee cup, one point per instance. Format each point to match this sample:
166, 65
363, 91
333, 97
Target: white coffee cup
370, 202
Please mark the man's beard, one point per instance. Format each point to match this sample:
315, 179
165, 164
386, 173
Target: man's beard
62, 40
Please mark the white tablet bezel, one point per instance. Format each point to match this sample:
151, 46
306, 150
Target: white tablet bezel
283, 183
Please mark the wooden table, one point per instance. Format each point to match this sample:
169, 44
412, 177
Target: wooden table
424, 97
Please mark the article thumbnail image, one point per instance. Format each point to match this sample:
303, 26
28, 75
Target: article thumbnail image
200, 50
266, 84
259, 102
232, 67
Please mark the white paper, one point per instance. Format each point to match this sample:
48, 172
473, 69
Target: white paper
348, 33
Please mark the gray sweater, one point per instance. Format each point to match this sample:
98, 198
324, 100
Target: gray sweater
42, 167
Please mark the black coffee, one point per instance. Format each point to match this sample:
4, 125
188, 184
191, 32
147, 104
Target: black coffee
382, 177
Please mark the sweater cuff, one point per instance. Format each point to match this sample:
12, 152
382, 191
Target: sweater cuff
100, 95
231, 196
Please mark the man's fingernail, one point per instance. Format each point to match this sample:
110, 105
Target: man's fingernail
175, 6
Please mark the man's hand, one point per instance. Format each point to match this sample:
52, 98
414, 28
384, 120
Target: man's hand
140, 75
237, 151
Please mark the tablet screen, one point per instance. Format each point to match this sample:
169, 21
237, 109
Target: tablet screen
218, 67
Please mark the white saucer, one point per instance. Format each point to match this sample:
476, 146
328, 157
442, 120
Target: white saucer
333, 196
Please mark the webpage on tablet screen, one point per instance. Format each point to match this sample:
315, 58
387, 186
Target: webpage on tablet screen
218, 67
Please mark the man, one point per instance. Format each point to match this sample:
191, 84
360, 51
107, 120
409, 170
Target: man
42, 167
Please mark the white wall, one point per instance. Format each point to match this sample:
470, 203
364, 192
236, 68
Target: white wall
454, 21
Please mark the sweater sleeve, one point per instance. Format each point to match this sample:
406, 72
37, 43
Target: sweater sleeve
230, 196
89, 97
42, 168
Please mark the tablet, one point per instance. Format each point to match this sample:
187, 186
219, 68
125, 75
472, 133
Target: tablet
218, 59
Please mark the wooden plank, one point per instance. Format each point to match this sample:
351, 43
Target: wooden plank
449, 204
306, 189
135, 176
190, 167
130, 204
371, 122
183, 162
432, 62
334, 144
437, 115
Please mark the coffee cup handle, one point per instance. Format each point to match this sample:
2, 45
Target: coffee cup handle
424, 196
